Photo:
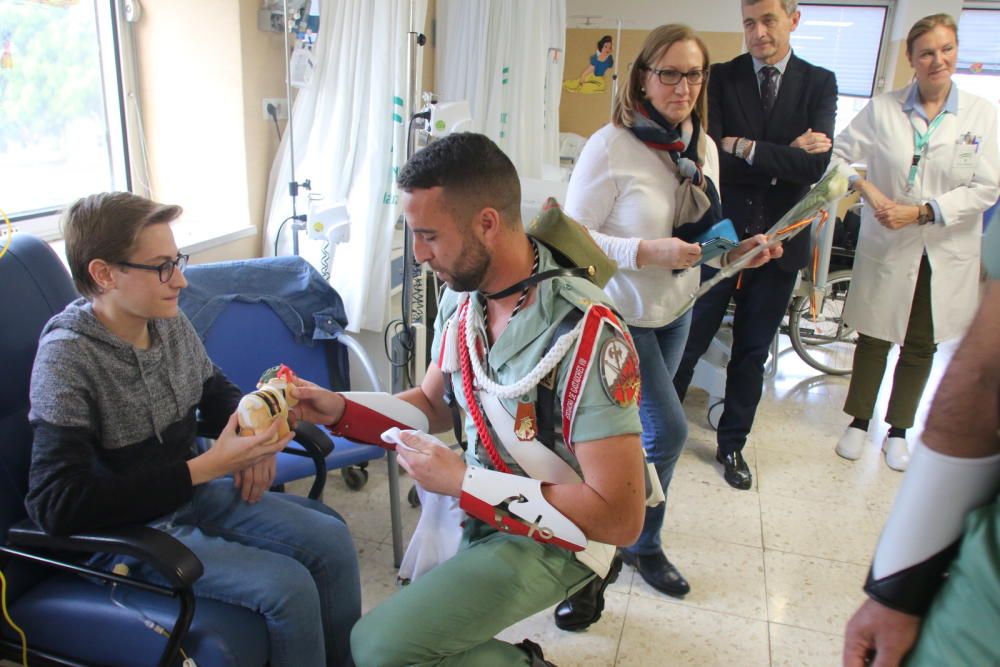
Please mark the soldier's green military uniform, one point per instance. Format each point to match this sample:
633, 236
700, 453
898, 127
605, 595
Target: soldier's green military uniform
961, 627
451, 615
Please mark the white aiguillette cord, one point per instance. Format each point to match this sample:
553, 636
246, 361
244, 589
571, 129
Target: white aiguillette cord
529, 381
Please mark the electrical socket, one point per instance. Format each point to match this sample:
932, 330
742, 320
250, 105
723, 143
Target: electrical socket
279, 103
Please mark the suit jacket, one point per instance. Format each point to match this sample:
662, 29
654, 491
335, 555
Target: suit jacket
755, 196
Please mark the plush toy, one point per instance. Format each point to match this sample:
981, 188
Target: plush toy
258, 410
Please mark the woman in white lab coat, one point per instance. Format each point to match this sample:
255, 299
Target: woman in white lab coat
932, 169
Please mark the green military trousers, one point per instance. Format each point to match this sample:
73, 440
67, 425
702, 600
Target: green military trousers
451, 615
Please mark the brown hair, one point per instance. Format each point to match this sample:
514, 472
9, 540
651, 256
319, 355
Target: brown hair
659, 40
106, 226
925, 25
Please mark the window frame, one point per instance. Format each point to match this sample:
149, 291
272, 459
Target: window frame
44, 222
882, 61
879, 82
973, 6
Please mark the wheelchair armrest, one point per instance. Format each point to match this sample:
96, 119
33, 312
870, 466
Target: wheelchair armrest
313, 439
171, 558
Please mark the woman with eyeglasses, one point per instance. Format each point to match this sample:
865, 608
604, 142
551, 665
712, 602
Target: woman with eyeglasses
932, 169
646, 185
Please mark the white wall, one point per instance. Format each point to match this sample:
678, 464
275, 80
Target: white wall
720, 15
909, 12
706, 15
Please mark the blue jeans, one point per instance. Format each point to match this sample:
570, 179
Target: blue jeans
664, 426
292, 562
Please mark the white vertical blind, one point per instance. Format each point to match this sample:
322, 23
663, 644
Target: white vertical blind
844, 39
979, 41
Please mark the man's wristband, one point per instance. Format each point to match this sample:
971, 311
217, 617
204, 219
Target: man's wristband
742, 148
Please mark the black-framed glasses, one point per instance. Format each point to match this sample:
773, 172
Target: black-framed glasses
671, 77
165, 270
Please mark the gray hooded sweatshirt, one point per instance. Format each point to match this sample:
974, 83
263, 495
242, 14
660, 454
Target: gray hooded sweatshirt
114, 425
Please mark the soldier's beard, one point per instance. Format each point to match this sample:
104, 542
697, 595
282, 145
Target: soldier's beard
473, 263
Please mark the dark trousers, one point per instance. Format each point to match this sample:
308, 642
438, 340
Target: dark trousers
913, 367
761, 303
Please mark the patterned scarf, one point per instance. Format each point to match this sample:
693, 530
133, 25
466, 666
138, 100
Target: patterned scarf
651, 128
696, 214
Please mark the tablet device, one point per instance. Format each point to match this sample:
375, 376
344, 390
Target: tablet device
723, 228
713, 248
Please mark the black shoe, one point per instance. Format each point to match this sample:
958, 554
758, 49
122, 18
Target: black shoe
659, 573
534, 652
737, 473
582, 609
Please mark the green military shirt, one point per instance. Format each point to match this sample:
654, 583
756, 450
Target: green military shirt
522, 345
960, 628
991, 249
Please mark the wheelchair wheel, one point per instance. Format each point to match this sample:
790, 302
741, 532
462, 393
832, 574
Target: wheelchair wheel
355, 477
413, 497
825, 343
715, 412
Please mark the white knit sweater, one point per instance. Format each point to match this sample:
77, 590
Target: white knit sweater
623, 192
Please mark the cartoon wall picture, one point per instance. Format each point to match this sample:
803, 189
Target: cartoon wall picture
7, 57
593, 79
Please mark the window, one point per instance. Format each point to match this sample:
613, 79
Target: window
846, 39
61, 129
978, 68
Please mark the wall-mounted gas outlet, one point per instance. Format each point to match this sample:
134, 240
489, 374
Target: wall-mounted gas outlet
280, 107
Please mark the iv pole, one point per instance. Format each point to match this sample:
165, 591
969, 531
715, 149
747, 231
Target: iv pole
298, 222
614, 72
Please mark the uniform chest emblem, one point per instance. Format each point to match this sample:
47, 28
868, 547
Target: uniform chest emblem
525, 421
620, 372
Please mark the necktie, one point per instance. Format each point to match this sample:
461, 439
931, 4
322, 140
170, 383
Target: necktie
768, 87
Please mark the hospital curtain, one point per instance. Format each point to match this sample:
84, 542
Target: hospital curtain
505, 57
350, 141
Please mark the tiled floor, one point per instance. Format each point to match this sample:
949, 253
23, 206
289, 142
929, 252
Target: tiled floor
775, 571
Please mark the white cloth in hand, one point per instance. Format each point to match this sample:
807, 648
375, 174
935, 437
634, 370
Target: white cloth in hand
439, 529
394, 436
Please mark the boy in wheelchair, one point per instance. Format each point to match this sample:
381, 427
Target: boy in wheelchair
120, 390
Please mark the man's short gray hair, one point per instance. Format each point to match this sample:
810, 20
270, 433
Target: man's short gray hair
790, 6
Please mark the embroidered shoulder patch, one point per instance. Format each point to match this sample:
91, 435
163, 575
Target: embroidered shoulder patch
620, 372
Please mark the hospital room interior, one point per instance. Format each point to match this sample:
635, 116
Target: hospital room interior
305, 262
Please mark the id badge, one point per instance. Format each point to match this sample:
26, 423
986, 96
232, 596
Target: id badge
963, 165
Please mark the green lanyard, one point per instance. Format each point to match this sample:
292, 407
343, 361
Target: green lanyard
920, 141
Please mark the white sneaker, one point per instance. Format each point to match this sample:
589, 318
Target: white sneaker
852, 443
897, 454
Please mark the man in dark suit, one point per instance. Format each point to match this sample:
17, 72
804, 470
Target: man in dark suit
772, 116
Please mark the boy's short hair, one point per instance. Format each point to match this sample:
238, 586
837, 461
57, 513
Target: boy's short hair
106, 226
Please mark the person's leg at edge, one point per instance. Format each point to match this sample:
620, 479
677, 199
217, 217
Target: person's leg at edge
451, 615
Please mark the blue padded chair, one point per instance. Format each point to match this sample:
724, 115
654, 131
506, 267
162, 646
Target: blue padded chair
69, 619
248, 332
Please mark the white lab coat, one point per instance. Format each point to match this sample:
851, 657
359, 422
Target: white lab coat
887, 261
